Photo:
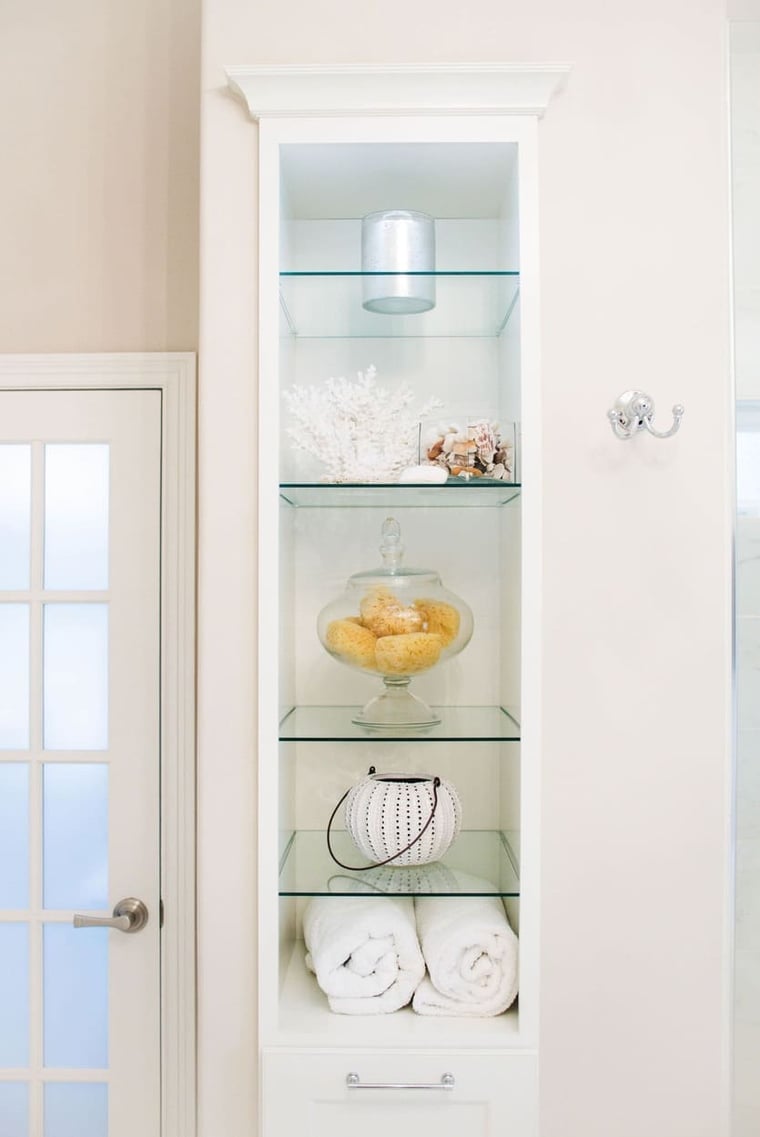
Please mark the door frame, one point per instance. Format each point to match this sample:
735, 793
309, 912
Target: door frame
173, 374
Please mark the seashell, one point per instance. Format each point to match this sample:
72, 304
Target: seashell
451, 439
464, 448
432, 474
497, 472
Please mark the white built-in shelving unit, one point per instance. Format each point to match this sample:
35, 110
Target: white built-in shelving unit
326, 160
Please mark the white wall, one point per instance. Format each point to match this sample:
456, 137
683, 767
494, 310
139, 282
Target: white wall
99, 121
745, 165
637, 570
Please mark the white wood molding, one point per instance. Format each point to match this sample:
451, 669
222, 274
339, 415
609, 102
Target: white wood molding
173, 373
427, 88
178, 807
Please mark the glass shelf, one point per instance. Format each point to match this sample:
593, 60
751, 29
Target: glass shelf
458, 724
481, 862
454, 494
328, 305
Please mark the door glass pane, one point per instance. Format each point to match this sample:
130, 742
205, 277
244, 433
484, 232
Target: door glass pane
76, 996
15, 516
76, 677
14, 1109
14, 676
75, 810
14, 836
14, 995
76, 515
76, 1110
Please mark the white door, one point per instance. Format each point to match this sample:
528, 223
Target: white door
80, 501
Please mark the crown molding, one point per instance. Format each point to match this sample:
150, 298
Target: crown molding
373, 89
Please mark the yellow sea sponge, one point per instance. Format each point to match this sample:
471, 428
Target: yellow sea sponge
439, 617
384, 614
351, 642
408, 653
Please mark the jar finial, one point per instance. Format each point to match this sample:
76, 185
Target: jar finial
391, 549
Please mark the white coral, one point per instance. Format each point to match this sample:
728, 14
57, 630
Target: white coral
362, 432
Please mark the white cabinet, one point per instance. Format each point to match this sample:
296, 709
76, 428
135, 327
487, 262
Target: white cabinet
308, 1093
476, 352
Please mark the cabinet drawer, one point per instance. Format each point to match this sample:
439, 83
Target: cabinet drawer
305, 1093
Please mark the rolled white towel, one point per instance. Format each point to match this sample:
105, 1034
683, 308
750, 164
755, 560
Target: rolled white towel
471, 955
364, 952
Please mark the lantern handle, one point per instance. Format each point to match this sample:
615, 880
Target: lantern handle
400, 853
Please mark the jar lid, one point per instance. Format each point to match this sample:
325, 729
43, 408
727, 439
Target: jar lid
392, 571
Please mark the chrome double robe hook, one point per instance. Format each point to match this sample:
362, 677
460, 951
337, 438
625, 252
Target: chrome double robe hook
634, 411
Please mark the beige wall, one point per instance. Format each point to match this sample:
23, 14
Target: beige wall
99, 126
636, 593
98, 192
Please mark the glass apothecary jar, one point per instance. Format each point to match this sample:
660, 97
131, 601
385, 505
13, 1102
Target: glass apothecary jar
395, 622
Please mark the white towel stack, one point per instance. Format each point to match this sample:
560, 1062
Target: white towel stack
369, 953
471, 955
364, 952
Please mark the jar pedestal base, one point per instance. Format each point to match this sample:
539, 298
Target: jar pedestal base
396, 706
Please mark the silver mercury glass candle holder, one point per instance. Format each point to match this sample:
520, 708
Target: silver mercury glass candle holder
401, 243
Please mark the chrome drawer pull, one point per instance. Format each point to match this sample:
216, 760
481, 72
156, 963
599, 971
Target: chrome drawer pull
354, 1082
